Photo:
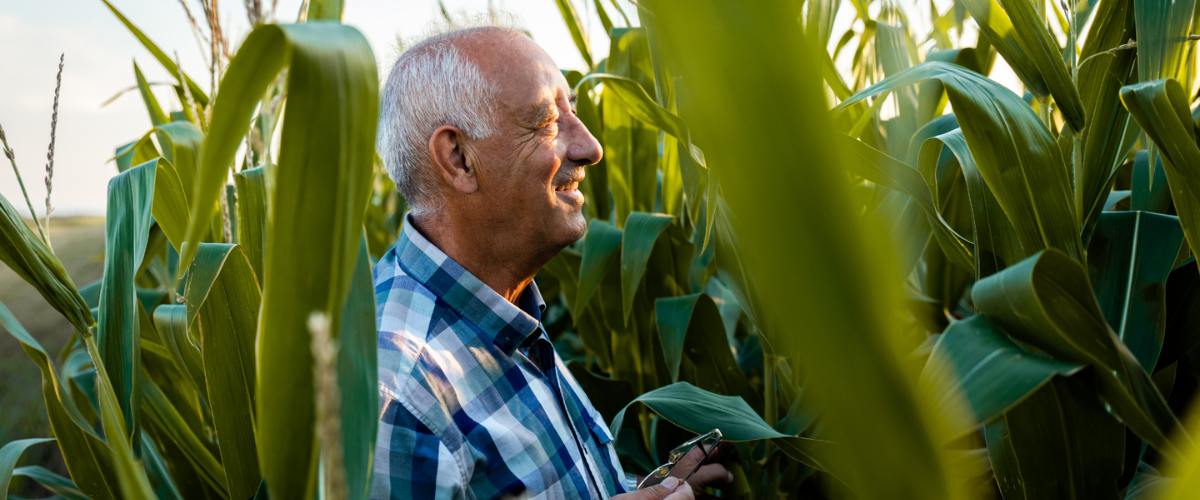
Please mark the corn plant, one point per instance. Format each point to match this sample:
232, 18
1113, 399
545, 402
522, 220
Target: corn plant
998, 300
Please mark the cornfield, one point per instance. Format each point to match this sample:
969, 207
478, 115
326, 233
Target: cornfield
900, 281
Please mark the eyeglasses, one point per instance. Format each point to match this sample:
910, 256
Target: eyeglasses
707, 443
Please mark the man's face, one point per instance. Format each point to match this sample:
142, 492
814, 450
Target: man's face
531, 169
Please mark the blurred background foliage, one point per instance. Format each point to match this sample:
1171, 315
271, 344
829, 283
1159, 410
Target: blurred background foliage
880, 272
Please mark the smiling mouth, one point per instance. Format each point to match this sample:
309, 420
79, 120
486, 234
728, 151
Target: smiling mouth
570, 186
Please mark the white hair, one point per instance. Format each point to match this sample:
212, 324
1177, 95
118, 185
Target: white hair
434, 84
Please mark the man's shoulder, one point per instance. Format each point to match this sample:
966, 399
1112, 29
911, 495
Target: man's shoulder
414, 340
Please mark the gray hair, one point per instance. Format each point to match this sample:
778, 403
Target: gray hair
434, 84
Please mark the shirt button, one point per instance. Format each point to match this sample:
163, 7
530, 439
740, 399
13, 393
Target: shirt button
508, 345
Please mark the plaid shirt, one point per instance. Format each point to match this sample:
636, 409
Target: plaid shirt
475, 402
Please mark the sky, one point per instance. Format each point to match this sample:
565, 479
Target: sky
100, 54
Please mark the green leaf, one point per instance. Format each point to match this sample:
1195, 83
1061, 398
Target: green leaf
186, 142
1031, 50
571, 18
29, 257
131, 477
885, 170
172, 322
1015, 153
801, 238
1058, 443
252, 215
996, 242
994, 373
55, 483
165, 420
1045, 300
325, 10
170, 207
1109, 132
10, 454
600, 246
1161, 108
127, 225
1149, 195
224, 294
318, 199
641, 231
1129, 259
700, 411
358, 375
641, 106
157, 117
135, 153
87, 456
692, 325
167, 62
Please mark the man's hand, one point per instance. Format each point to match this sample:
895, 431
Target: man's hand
712, 474
671, 488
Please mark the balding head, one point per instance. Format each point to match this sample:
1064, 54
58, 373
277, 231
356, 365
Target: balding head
437, 82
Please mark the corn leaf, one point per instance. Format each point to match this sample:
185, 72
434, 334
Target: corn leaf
641, 231
1045, 300
29, 257
171, 322
130, 201
158, 54
1014, 152
996, 242
1059, 442
358, 377
55, 483
1031, 51
691, 325
571, 18
700, 411
1149, 195
10, 453
1110, 132
1161, 108
86, 455
224, 294
641, 106
600, 246
325, 10
995, 374
170, 207
165, 419
131, 477
1130, 256
320, 193
802, 215
885, 170
252, 215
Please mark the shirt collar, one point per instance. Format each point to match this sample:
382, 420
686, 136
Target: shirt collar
500, 321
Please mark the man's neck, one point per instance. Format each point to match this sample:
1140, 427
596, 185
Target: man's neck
495, 259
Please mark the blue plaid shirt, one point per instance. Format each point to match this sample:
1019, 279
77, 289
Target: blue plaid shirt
475, 402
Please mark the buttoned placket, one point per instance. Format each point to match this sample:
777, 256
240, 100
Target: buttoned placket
543, 361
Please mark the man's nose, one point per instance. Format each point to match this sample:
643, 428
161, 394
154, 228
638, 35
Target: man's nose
582, 146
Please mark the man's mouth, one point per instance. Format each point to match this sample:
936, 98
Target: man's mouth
570, 186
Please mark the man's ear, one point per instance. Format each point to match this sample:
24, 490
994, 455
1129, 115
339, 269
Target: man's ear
447, 147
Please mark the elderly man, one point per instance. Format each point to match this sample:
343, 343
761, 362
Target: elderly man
479, 132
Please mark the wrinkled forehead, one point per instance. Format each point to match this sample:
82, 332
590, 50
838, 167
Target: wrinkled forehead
528, 79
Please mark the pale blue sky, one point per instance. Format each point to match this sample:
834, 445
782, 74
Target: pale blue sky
99, 62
